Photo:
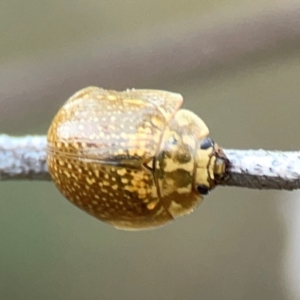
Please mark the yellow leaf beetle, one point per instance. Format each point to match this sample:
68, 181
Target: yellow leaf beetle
133, 159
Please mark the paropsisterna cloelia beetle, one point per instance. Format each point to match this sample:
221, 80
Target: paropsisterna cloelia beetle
133, 159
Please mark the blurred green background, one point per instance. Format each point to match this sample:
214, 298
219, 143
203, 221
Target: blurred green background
234, 246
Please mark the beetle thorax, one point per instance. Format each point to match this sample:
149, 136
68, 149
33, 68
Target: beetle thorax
175, 165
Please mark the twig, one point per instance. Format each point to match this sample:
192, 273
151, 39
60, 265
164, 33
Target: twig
24, 158
148, 58
260, 169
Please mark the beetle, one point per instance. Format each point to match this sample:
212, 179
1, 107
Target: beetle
133, 159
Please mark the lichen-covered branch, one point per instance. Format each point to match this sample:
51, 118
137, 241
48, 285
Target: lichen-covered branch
24, 158
260, 169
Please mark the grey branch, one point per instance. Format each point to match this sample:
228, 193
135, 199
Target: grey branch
261, 169
24, 158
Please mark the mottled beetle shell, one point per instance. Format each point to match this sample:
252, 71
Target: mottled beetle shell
131, 158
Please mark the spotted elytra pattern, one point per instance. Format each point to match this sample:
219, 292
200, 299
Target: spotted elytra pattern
133, 158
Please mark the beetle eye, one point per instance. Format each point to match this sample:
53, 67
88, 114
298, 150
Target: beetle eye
207, 143
202, 189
